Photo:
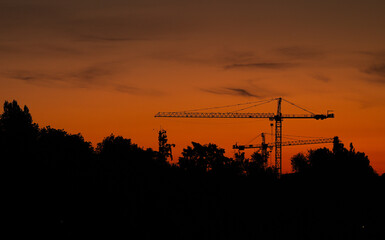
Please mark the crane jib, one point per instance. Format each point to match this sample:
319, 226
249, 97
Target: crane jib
214, 115
288, 143
271, 116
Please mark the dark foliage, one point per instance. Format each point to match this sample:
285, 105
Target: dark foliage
204, 159
338, 164
58, 187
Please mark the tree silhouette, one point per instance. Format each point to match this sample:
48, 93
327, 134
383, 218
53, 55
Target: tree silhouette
322, 160
203, 158
20, 167
299, 163
256, 167
340, 162
17, 131
58, 186
240, 163
64, 152
117, 146
120, 157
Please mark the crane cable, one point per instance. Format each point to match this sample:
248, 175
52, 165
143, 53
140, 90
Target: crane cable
300, 136
286, 136
295, 105
253, 139
267, 101
260, 102
226, 106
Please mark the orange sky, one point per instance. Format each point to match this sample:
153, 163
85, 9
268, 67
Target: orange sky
109, 67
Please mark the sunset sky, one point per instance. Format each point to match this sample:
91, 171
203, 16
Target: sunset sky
108, 66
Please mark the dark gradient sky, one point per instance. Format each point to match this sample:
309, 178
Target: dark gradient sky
98, 67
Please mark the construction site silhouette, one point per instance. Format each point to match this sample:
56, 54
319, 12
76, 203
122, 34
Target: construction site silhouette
58, 186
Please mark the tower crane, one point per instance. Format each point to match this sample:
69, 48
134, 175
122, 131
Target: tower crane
288, 143
277, 117
263, 146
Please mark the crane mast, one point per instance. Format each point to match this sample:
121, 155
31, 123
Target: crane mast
264, 146
278, 117
278, 138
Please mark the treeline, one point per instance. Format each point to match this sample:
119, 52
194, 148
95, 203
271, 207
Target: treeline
56, 185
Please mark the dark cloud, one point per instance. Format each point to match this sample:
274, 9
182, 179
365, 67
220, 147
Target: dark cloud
126, 89
95, 38
31, 76
261, 65
43, 50
92, 77
185, 56
105, 21
84, 77
377, 71
136, 91
91, 74
321, 77
31, 20
231, 56
380, 54
296, 52
241, 92
231, 91
374, 67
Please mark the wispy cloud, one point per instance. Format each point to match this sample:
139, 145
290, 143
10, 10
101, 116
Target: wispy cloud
126, 89
233, 56
87, 76
96, 38
91, 74
32, 77
376, 73
261, 65
301, 53
92, 77
135, 90
321, 77
374, 66
231, 91
376, 69
242, 92
379, 54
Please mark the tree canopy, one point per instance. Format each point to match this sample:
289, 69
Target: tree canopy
340, 162
59, 186
203, 158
